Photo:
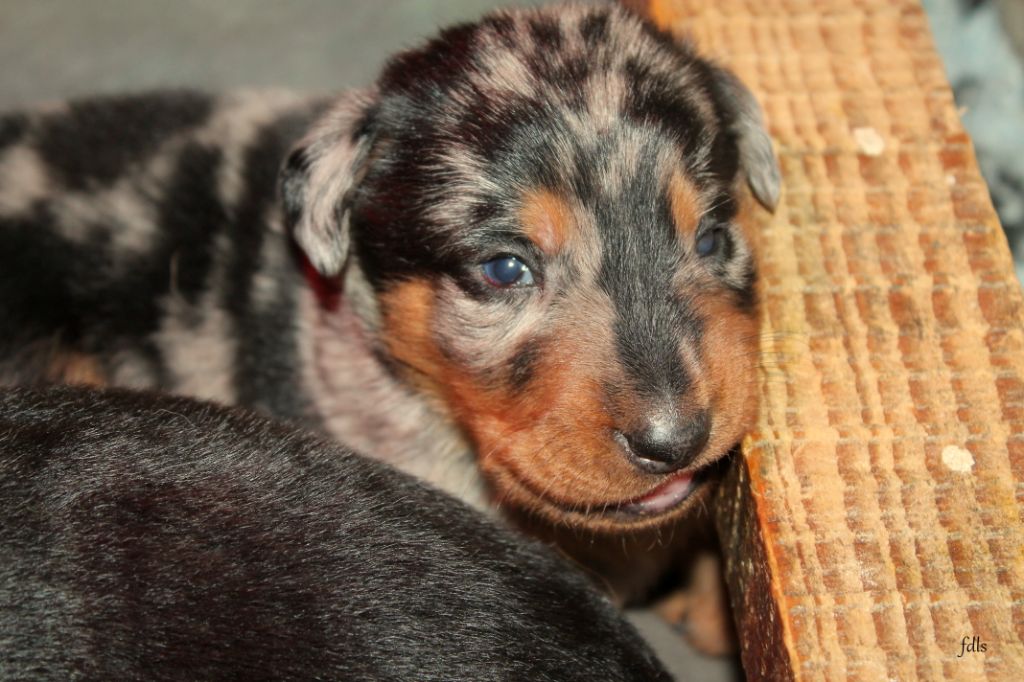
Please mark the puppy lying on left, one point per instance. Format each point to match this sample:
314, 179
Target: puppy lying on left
146, 537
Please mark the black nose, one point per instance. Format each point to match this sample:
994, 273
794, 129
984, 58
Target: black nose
667, 443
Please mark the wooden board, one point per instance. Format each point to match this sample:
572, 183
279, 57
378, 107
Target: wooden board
873, 528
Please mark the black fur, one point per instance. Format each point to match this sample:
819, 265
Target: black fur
522, 367
264, 374
75, 143
12, 127
39, 300
146, 537
190, 217
650, 317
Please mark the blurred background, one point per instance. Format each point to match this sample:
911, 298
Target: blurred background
57, 48
53, 49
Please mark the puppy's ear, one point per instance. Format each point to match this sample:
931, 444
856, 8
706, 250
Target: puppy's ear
757, 159
319, 175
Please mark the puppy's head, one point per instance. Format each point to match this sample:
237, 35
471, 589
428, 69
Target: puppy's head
544, 204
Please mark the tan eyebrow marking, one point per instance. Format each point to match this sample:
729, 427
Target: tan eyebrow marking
547, 220
687, 206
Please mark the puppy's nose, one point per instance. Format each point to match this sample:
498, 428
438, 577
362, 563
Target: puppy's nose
666, 443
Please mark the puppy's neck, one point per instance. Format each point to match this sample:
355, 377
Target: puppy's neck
364, 406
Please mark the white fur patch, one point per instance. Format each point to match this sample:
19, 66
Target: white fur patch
199, 347
23, 180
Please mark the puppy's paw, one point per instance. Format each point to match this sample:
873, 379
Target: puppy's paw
700, 611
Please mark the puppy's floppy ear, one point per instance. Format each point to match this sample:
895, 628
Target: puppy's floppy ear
757, 159
318, 178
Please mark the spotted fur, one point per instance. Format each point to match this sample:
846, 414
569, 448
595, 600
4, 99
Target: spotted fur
577, 138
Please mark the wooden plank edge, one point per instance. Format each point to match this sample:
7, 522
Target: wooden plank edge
765, 636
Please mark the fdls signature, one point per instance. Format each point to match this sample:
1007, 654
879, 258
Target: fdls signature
972, 645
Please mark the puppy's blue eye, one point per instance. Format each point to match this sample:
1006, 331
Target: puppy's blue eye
507, 271
708, 243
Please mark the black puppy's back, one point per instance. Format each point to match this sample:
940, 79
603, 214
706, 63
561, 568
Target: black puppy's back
151, 537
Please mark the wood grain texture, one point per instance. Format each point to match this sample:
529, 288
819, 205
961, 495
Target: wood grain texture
875, 519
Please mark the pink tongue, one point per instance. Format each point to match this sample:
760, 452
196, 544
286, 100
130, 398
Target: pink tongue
664, 497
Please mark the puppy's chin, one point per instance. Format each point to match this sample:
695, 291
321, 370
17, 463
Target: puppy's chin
675, 497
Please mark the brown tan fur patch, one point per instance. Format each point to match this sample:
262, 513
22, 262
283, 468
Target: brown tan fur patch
75, 369
407, 311
729, 357
687, 206
547, 219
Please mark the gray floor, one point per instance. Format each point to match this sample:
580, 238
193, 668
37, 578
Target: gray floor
53, 49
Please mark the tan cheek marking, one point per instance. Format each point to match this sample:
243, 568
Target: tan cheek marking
730, 356
732, 338
547, 220
407, 330
406, 311
686, 203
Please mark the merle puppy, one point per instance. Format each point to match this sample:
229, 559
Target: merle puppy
512, 267
149, 537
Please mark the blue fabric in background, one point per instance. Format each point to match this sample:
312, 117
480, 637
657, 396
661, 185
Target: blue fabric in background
983, 62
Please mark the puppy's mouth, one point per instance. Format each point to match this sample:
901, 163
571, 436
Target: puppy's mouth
667, 500
664, 502
664, 498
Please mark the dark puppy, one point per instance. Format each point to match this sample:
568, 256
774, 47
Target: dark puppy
146, 537
519, 272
